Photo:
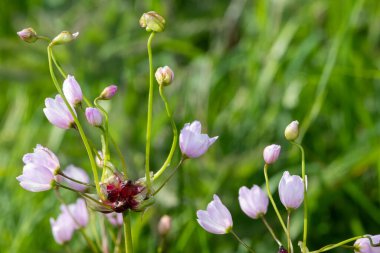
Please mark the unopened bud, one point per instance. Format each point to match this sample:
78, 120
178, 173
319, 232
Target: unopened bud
164, 225
291, 131
94, 116
271, 153
28, 35
152, 22
164, 75
108, 92
64, 37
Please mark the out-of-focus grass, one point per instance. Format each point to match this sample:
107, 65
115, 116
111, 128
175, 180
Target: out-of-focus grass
245, 69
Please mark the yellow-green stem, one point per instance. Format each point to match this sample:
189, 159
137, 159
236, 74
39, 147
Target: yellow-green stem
175, 136
290, 244
270, 230
150, 112
305, 218
171, 175
77, 123
118, 151
241, 241
127, 232
332, 246
272, 201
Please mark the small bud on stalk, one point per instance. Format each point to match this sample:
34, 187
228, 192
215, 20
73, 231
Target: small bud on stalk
164, 225
28, 35
72, 91
152, 22
291, 131
63, 38
271, 153
164, 76
108, 92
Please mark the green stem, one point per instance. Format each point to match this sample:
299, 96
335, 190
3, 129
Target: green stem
305, 209
240, 241
150, 112
105, 149
175, 136
118, 151
170, 176
272, 201
77, 123
290, 244
332, 246
270, 230
74, 180
127, 232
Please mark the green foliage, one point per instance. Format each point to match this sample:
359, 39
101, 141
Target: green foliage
245, 69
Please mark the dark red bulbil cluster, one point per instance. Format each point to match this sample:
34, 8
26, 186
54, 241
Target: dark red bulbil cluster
282, 250
122, 195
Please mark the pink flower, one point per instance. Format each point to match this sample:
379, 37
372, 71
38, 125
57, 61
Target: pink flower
216, 219
116, 219
291, 190
62, 228
78, 211
108, 92
94, 116
253, 202
192, 142
39, 170
72, 90
57, 113
363, 245
77, 174
271, 153
164, 225
28, 35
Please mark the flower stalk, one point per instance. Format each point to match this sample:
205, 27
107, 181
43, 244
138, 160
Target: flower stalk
127, 232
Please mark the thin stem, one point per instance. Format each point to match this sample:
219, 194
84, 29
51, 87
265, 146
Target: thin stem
175, 135
77, 123
271, 230
290, 244
332, 246
272, 201
170, 176
67, 248
74, 180
150, 112
243, 243
127, 232
118, 151
305, 209
118, 240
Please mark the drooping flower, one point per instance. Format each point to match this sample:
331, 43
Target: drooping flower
116, 219
58, 114
62, 228
164, 75
77, 212
192, 142
72, 90
363, 245
39, 170
271, 153
77, 174
108, 92
94, 116
254, 202
164, 225
291, 190
291, 131
216, 219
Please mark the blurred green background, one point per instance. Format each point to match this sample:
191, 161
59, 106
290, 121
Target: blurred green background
245, 69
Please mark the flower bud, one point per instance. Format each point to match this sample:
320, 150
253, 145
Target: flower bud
152, 22
72, 91
108, 92
271, 153
291, 131
94, 116
28, 35
64, 37
164, 76
364, 245
164, 225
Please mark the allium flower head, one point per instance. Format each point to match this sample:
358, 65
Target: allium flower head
192, 142
77, 174
291, 190
271, 153
94, 116
363, 245
62, 228
254, 202
216, 219
72, 90
57, 113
